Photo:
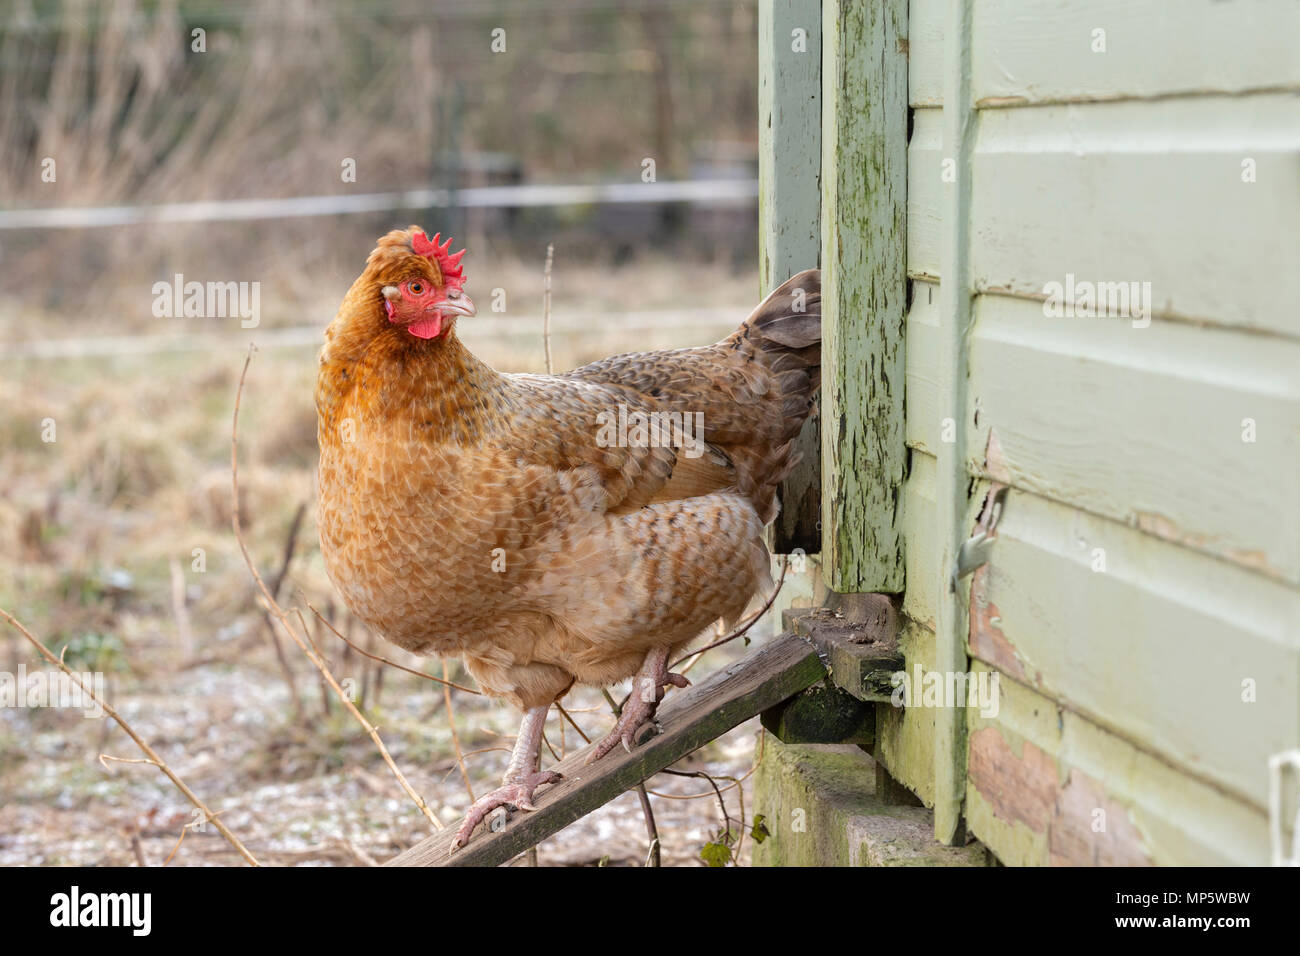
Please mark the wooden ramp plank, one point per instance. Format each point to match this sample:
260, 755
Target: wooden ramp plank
689, 718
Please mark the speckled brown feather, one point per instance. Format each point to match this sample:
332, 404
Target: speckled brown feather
467, 511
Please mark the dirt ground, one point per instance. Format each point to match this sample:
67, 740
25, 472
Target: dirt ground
310, 791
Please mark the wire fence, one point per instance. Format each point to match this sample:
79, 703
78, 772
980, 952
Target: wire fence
483, 328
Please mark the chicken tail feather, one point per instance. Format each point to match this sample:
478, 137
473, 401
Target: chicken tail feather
787, 325
784, 335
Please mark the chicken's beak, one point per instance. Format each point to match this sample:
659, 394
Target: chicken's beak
460, 305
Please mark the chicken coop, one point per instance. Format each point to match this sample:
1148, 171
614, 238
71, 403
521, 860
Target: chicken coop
1054, 500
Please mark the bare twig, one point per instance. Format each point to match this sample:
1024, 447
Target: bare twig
276, 583
390, 663
565, 714
653, 858
722, 804
740, 840
287, 625
137, 848
105, 758
741, 628
483, 750
737, 784
707, 793
312, 634
283, 661
614, 705
555, 754
455, 737
564, 743
717, 791
377, 688
369, 670
290, 545
179, 840
474, 753
179, 611
546, 309
357, 853
140, 742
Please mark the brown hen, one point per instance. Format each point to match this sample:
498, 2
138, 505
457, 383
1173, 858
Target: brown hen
549, 529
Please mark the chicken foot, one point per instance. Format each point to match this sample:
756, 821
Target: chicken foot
647, 691
521, 779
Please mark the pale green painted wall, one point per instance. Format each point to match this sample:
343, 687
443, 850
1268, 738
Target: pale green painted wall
1146, 580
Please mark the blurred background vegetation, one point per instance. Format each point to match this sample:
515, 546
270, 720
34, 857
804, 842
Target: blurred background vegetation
115, 537
412, 91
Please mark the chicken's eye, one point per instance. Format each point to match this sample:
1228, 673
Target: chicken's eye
417, 288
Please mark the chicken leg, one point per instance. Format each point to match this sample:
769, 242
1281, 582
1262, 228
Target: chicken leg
521, 779
647, 690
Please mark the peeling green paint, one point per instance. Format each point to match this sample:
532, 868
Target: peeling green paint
864, 291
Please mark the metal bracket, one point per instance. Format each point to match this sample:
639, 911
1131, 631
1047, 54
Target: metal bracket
1280, 767
974, 551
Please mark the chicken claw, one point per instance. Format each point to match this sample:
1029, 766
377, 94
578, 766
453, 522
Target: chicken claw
647, 691
513, 793
522, 777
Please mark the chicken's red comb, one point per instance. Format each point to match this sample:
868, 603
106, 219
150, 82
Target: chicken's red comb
448, 262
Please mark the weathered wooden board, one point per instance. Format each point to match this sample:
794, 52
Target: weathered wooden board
905, 736
689, 719
1049, 786
789, 213
1149, 192
860, 650
927, 379
925, 577
951, 485
1034, 51
925, 29
1147, 425
1140, 164
1184, 655
822, 714
925, 187
1108, 405
1141, 425
864, 283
